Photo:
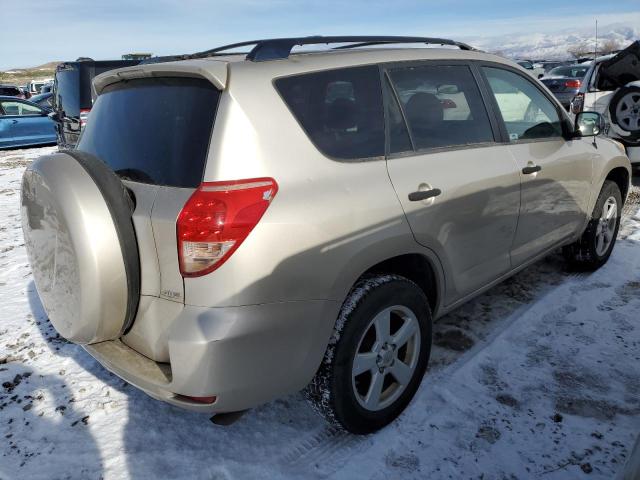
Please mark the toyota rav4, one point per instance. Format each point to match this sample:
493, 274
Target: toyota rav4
235, 227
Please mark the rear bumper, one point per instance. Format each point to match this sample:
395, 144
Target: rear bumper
244, 356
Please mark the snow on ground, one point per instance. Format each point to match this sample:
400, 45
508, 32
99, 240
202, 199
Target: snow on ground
538, 378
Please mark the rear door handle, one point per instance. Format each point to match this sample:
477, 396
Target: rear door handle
14, 121
531, 169
424, 194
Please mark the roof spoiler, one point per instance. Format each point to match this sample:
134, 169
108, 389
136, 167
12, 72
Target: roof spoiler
280, 48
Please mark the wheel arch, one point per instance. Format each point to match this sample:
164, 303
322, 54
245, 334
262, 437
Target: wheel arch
621, 177
418, 268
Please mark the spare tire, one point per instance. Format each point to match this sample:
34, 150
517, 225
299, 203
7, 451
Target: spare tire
624, 110
81, 244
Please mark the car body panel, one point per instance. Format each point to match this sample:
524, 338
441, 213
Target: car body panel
471, 224
24, 130
554, 201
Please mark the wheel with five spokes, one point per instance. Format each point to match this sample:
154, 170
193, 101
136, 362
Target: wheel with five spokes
596, 244
377, 355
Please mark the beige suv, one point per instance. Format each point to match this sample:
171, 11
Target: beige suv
235, 227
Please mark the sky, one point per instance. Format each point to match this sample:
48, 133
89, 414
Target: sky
59, 30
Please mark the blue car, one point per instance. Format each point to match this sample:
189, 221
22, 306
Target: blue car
23, 123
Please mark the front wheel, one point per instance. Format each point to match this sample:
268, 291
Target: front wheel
376, 357
596, 244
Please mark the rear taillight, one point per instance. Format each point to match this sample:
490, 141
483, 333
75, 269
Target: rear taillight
577, 104
216, 219
84, 115
572, 83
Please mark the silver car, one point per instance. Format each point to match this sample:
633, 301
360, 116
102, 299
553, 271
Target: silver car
235, 227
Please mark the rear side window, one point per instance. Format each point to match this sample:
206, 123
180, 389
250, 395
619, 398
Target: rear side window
442, 105
340, 110
153, 131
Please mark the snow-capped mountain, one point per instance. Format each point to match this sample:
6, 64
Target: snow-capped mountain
554, 45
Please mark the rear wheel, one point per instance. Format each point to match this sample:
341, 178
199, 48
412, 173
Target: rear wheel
596, 244
377, 355
624, 110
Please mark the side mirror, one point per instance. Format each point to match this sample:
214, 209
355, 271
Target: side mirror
54, 116
589, 124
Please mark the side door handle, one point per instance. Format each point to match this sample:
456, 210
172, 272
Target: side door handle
14, 122
529, 169
424, 194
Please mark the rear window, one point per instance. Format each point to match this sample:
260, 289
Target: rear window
340, 110
571, 71
153, 130
10, 91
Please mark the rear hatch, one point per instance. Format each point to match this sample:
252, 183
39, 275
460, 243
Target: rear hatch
621, 69
154, 133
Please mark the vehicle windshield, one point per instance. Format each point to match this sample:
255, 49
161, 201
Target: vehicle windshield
574, 71
525, 64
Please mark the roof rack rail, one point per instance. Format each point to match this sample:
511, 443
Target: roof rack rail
280, 48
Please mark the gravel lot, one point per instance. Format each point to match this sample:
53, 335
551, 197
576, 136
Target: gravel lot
537, 378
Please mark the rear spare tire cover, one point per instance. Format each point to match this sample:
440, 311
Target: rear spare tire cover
79, 235
624, 110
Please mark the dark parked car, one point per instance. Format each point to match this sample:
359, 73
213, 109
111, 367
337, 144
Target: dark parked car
564, 82
24, 123
44, 100
72, 95
11, 91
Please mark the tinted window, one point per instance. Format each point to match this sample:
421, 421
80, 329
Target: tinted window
67, 91
442, 105
10, 91
153, 130
19, 108
340, 110
399, 140
526, 112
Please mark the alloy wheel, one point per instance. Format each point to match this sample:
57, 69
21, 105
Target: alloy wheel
386, 357
606, 226
628, 112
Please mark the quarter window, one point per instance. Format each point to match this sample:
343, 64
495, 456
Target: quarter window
442, 105
340, 110
526, 112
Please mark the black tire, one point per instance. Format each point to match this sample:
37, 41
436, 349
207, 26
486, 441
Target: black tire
332, 392
583, 254
613, 106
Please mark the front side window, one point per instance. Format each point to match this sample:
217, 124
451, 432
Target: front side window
340, 110
442, 105
526, 112
19, 108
